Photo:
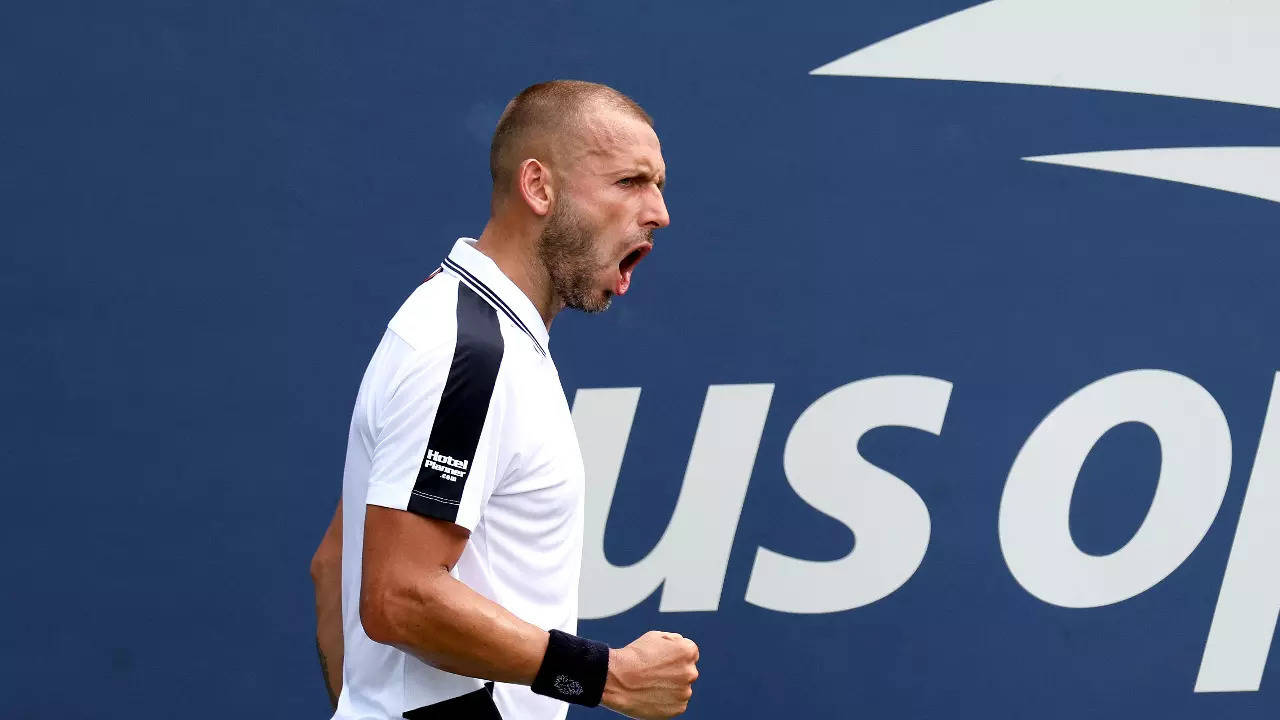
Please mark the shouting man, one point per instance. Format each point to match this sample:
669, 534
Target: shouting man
451, 566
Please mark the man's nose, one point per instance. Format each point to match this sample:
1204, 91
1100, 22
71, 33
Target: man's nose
655, 210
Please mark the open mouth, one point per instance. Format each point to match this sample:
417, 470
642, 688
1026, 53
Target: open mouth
627, 265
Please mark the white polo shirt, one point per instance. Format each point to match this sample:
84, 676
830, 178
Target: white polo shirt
461, 417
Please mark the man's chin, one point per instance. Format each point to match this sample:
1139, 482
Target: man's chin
593, 305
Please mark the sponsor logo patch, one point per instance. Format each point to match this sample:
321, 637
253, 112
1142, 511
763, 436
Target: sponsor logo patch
449, 468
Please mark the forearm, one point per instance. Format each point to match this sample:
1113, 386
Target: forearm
326, 574
409, 600
454, 628
329, 632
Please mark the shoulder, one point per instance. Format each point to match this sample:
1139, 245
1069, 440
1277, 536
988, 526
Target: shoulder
445, 321
427, 320
443, 311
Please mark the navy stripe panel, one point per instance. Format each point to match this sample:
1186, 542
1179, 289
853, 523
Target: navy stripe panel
488, 292
455, 434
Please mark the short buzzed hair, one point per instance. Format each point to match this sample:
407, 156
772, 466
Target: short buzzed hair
546, 107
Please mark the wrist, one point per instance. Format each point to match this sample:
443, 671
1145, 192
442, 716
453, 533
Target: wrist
573, 669
614, 689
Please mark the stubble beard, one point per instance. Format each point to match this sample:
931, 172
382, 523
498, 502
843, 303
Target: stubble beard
567, 251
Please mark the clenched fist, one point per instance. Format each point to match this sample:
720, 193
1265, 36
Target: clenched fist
652, 678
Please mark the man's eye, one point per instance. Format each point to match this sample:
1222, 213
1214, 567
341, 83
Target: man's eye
627, 182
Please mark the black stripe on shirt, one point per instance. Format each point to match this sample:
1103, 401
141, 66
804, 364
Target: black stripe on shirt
484, 289
464, 404
497, 301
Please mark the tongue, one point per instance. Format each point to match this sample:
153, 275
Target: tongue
624, 282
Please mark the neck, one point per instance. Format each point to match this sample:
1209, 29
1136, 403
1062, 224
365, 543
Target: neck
516, 255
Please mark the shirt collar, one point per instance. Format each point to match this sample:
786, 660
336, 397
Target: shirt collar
484, 276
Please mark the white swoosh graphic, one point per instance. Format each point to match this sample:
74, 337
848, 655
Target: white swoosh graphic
1226, 50
1253, 171
1222, 50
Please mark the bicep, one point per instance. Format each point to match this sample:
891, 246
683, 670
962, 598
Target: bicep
401, 548
410, 601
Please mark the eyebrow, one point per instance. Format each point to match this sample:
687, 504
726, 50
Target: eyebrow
647, 175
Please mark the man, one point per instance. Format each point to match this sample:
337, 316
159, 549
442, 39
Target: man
463, 489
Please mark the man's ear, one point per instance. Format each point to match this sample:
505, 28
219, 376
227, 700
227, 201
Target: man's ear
534, 184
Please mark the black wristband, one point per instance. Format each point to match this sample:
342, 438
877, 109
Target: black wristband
573, 670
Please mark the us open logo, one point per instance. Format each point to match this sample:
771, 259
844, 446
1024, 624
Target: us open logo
1159, 47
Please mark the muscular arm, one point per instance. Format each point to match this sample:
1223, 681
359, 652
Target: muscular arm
326, 573
409, 600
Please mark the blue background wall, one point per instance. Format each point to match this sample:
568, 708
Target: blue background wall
211, 209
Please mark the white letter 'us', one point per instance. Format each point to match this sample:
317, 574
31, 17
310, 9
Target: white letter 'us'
889, 520
691, 558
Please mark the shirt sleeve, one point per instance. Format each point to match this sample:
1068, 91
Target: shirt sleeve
436, 449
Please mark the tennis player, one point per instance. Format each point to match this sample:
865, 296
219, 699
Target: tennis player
451, 565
